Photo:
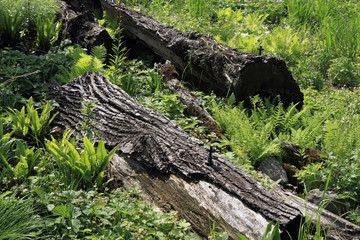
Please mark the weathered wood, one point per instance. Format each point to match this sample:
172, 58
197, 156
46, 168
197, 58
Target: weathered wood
80, 25
193, 105
213, 66
169, 165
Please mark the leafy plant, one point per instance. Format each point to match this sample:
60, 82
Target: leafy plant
12, 19
19, 19
6, 146
129, 84
25, 75
286, 44
217, 233
197, 7
120, 214
80, 170
271, 233
24, 162
87, 125
115, 70
155, 81
47, 32
167, 105
82, 62
29, 121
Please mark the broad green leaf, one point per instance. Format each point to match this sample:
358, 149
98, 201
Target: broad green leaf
50, 207
107, 159
275, 233
75, 225
242, 237
62, 210
6, 163
74, 155
101, 153
85, 164
90, 150
267, 231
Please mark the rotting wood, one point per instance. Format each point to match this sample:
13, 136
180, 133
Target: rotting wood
80, 25
193, 105
209, 65
212, 66
169, 165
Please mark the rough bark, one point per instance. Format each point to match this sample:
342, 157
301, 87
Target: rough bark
173, 168
80, 25
213, 66
170, 165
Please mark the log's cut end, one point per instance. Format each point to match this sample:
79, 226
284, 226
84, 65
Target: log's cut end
267, 77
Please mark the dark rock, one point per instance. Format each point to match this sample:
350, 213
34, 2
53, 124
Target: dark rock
274, 170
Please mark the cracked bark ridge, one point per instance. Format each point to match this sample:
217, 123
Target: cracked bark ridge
155, 143
212, 66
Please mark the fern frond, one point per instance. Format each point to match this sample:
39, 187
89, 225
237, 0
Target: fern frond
99, 52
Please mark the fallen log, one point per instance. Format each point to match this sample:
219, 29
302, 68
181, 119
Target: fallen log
212, 66
169, 164
80, 25
172, 168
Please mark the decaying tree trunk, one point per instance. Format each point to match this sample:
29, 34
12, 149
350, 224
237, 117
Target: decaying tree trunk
175, 170
209, 65
212, 66
80, 25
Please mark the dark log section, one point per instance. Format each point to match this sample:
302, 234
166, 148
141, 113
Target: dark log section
213, 66
80, 25
172, 168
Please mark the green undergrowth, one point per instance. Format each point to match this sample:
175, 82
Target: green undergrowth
57, 186
57, 189
327, 122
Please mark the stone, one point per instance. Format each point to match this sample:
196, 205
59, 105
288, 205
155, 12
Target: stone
272, 168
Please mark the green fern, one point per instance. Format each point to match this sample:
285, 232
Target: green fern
82, 62
99, 52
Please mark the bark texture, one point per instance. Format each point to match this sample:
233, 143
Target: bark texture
173, 168
80, 25
213, 66
170, 165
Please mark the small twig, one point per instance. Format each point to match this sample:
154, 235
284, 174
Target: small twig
14, 78
210, 161
260, 50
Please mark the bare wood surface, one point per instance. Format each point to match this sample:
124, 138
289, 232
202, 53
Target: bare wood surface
170, 165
